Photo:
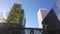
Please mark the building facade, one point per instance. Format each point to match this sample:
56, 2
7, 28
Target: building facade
51, 23
56, 8
16, 19
16, 15
41, 15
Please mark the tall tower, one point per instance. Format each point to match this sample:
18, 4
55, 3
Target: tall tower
16, 15
56, 9
41, 15
17, 5
52, 23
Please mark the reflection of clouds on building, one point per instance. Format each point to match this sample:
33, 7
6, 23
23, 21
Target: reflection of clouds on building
57, 9
58, 3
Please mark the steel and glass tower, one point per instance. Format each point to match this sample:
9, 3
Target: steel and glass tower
41, 15
56, 8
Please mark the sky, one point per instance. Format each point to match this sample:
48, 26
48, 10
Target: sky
30, 7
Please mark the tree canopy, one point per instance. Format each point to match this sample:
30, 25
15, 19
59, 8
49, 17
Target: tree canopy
15, 15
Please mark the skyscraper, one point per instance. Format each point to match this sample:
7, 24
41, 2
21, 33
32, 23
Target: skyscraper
16, 19
41, 15
56, 9
52, 23
16, 15
17, 5
52, 20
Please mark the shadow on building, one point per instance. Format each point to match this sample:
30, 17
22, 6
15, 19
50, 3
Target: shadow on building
51, 24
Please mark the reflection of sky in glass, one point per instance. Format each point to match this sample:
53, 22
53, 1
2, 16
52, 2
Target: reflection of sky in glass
57, 9
27, 31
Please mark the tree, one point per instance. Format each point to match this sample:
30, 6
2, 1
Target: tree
4, 19
15, 19
15, 15
1, 16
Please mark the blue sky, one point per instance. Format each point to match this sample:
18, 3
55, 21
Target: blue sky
30, 7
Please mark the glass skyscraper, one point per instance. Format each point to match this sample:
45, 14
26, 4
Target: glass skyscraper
42, 13
56, 8
52, 20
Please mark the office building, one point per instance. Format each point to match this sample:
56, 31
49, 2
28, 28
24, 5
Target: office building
16, 15
56, 8
51, 23
41, 15
16, 19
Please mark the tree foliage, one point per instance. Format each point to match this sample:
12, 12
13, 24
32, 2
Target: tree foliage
15, 15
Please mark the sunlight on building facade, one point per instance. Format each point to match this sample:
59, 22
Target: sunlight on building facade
41, 15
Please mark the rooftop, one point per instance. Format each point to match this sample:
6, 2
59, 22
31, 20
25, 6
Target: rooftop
18, 3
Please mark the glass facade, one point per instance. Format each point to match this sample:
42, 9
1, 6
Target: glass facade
56, 8
33, 31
